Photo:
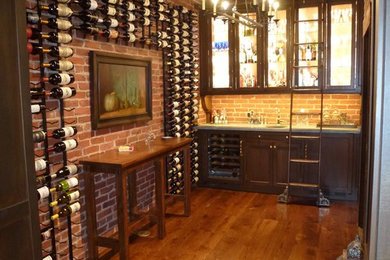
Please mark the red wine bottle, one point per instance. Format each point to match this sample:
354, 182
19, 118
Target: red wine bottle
59, 79
56, 23
63, 172
90, 29
89, 17
88, 4
58, 10
57, 92
54, 51
61, 65
67, 210
64, 146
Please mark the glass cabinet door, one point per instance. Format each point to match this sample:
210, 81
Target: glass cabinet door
220, 53
340, 46
277, 51
307, 54
247, 37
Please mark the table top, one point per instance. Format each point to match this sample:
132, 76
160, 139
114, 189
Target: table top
141, 153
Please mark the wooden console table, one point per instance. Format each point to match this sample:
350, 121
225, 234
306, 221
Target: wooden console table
123, 165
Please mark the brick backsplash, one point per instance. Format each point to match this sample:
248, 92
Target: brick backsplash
237, 106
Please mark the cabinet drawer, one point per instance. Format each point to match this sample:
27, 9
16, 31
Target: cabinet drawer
267, 136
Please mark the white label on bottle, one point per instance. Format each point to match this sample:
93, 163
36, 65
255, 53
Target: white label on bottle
185, 34
70, 144
94, 5
175, 21
146, 3
131, 17
64, 38
131, 27
65, 52
132, 37
65, 65
72, 182
131, 7
72, 168
111, 11
35, 108
114, 23
64, 11
40, 165
68, 131
48, 258
177, 134
176, 159
161, 17
65, 78
43, 192
147, 12
112, 2
147, 21
113, 34
196, 172
33, 18
195, 101
74, 195
160, 8
177, 127
75, 207
175, 29
175, 112
63, 24
178, 167
185, 26
196, 165
175, 13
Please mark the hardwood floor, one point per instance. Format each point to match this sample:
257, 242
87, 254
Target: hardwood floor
229, 225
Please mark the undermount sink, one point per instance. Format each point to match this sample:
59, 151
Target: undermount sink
276, 126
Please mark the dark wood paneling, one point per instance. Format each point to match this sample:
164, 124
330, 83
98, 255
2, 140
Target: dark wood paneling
19, 227
258, 162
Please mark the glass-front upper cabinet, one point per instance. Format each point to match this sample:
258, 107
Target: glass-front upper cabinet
248, 67
277, 56
308, 44
341, 47
220, 57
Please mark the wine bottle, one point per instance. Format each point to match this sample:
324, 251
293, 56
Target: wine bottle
46, 234
32, 18
143, 21
37, 108
56, 37
129, 37
38, 136
48, 257
65, 185
112, 2
90, 5
175, 87
174, 54
111, 22
90, 29
54, 51
43, 193
173, 63
174, 120
162, 44
67, 210
64, 132
129, 27
63, 172
40, 164
64, 146
61, 65
175, 128
175, 160
58, 10
110, 33
59, 79
128, 6
196, 172
88, 17
173, 29
174, 71
67, 197
55, 23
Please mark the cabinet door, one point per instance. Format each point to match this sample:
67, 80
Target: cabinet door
258, 161
337, 171
280, 163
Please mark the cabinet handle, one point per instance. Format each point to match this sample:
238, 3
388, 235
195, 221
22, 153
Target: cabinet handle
270, 146
241, 148
286, 136
274, 146
259, 136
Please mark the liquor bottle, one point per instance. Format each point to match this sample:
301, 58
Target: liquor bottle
89, 17
129, 37
90, 5
67, 210
40, 164
64, 146
54, 51
186, 34
111, 22
174, 112
110, 33
61, 65
90, 29
58, 10
55, 23
65, 185
37, 108
43, 193
59, 79
66, 198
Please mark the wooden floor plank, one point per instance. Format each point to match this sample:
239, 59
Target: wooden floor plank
230, 225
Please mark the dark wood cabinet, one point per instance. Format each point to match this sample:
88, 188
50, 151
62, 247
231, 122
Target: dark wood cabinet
264, 163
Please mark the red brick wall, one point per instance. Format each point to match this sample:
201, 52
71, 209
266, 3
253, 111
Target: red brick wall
92, 142
237, 106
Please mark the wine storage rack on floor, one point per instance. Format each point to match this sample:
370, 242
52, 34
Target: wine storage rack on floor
224, 156
180, 91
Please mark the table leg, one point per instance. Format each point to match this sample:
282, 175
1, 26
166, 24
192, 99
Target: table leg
160, 171
91, 212
132, 188
187, 182
121, 192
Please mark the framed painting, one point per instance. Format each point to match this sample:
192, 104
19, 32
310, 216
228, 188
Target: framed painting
121, 89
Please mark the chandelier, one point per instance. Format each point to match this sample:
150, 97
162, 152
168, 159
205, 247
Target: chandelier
231, 13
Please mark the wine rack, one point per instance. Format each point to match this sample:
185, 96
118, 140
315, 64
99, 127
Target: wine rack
180, 90
224, 152
48, 31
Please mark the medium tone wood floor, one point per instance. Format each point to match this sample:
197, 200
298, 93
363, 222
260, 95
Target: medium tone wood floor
230, 225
